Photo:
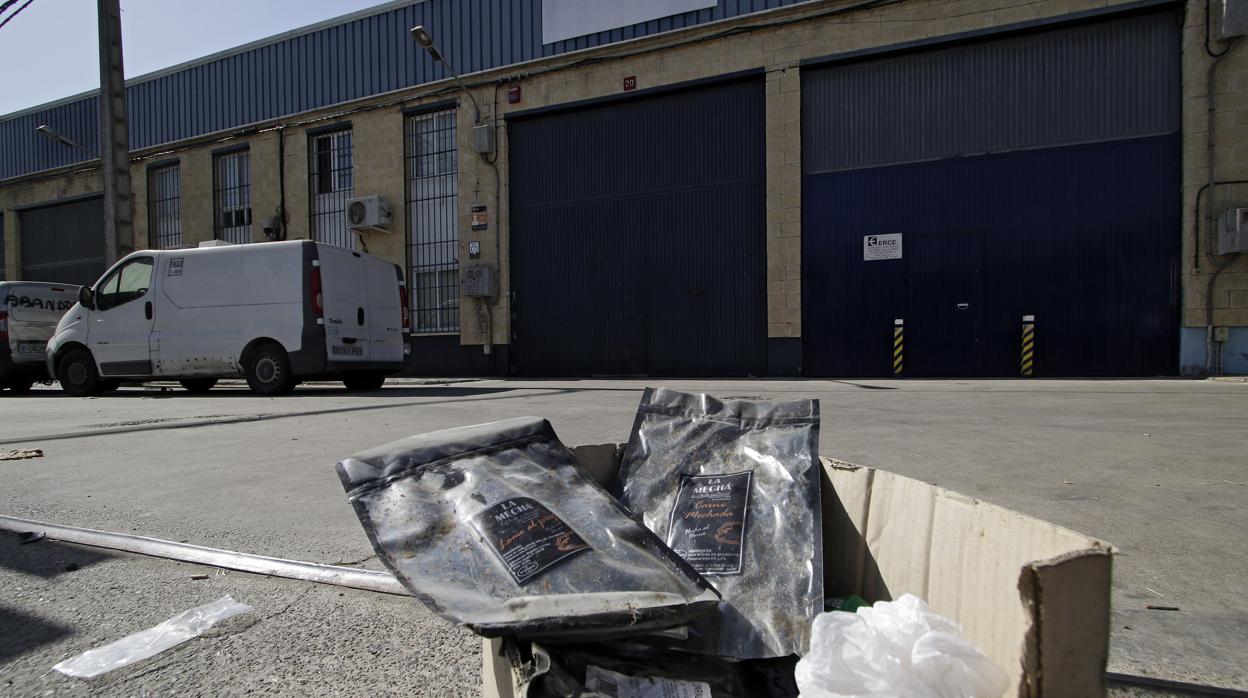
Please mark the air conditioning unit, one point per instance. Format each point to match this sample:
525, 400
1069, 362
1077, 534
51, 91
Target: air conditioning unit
368, 213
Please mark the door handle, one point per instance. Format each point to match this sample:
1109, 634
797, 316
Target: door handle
963, 306
147, 310
359, 316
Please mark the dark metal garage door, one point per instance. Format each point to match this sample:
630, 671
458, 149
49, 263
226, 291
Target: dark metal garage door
64, 243
637, 239
1033, 175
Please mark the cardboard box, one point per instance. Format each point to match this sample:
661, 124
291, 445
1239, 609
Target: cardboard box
1031, 595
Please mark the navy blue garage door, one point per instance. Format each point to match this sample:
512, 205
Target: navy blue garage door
1035, 175
638, 236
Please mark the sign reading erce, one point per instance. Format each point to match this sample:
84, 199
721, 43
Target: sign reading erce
876, 247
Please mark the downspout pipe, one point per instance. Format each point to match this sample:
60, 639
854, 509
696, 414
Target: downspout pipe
1210, 220
281, 182
1211, 184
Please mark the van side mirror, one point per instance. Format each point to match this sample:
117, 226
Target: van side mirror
86, 297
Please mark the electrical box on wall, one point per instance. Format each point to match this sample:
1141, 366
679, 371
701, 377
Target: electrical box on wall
1233, 231
478, 282
483, 139
1232, 19
368, 213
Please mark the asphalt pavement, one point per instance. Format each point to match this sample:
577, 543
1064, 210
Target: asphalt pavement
1155, 467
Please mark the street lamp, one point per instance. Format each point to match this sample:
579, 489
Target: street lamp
48, 132
425, 41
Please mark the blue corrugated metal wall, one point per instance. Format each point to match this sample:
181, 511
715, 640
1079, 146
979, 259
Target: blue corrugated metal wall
1106, 80
1057, 200
355, 59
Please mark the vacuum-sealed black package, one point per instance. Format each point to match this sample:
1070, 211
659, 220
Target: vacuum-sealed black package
495, 526
733, 488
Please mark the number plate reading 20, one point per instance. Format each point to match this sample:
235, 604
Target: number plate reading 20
346, 350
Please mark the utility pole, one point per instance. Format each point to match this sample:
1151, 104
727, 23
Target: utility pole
114, 137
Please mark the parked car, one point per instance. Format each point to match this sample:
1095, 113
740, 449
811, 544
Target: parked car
29, 311
275, 313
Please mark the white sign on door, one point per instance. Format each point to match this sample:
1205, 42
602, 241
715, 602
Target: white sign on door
875, 247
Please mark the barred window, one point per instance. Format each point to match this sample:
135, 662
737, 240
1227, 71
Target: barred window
164, 206
231, 195
332, 184
433, 208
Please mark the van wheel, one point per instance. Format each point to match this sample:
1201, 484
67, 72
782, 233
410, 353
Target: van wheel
198, 385
77, 374
268, 370
364, 380
18, 386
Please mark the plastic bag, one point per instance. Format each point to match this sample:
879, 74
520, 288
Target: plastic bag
897, 648
733, 488
496, 527
147, 643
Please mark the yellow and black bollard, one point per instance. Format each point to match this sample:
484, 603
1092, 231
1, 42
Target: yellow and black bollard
898, 337
1027, 367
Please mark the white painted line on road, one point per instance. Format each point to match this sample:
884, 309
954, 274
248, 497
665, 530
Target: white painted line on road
368, 580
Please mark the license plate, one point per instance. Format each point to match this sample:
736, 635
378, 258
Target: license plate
31, 347
346, 350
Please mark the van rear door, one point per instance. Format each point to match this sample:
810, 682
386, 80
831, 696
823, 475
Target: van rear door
33, 311
345, 295
385, 313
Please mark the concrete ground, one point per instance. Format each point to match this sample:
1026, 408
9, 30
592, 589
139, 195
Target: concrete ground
1156, 467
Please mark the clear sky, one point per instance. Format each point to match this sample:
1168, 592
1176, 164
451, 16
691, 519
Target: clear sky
50, 50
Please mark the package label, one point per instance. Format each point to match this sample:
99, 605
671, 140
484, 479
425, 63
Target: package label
609, 683
527, 537
707, 526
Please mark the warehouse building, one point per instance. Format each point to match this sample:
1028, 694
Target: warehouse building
712, 187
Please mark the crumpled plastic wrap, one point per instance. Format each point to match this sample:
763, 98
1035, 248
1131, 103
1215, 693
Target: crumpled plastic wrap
733, 487
895, 649
148, 643
496, 527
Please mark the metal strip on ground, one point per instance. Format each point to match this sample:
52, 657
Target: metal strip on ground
1168, 684
368, 580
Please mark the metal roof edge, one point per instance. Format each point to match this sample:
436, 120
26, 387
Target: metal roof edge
798, 6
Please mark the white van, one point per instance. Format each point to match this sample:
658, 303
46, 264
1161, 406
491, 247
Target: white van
29, 311
275, 313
